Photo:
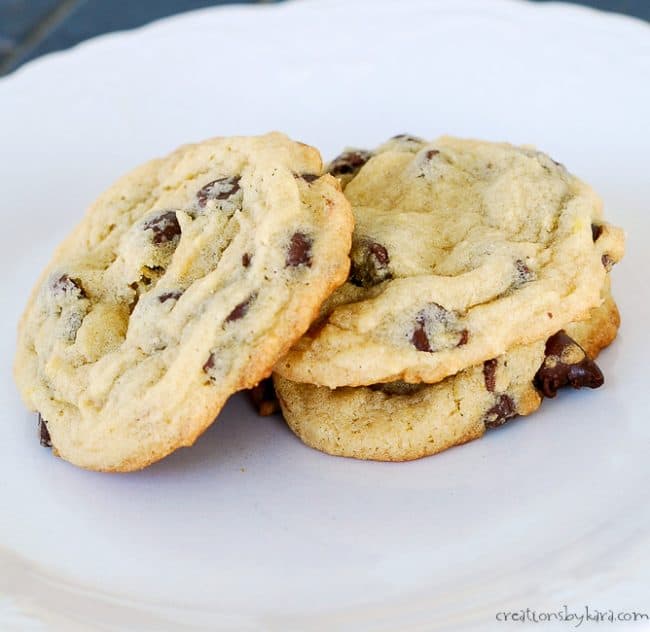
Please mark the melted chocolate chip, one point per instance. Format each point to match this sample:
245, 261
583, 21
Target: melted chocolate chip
566, 363
558, 343
44, 433
219, 189
596, 231
165, 227
464, 337
309, 177
246, 260
369, 264
419, 337
240, 310
503, 410
299, 251
65, 285
174, 295
209, 363
490, 374
349, 162
431, 153
607, 261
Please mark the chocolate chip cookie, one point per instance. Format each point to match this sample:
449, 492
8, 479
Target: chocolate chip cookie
398, 421
185, 282
462, 249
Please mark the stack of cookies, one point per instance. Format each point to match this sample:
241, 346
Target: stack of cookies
479, 285
406, 299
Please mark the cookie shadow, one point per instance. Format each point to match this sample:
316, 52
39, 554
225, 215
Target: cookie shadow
235, 438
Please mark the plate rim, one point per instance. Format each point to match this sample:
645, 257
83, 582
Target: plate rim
60, 57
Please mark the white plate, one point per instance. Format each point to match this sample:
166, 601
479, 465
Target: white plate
250, 529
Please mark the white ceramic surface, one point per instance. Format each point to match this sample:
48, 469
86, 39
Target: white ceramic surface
250, 529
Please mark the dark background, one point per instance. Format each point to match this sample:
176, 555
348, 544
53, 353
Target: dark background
29, 28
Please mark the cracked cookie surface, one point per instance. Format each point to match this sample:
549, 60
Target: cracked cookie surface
399, 421
462, 249
185, 282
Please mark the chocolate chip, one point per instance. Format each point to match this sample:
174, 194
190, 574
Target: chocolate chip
148, 275
349, 162
65, 285
309, 177
397, 388
219, 189
439, 322
523, 274
209, 363
240, 310
246, 260
369, 265
419, 337
431, 153
379, 253
566, 363
596, 231
490, 374
316, 327
165, 227
299, 251
608, 262
174, 295
503, 410
407, 138
522, 268
264, 399
464, 337
44, 433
